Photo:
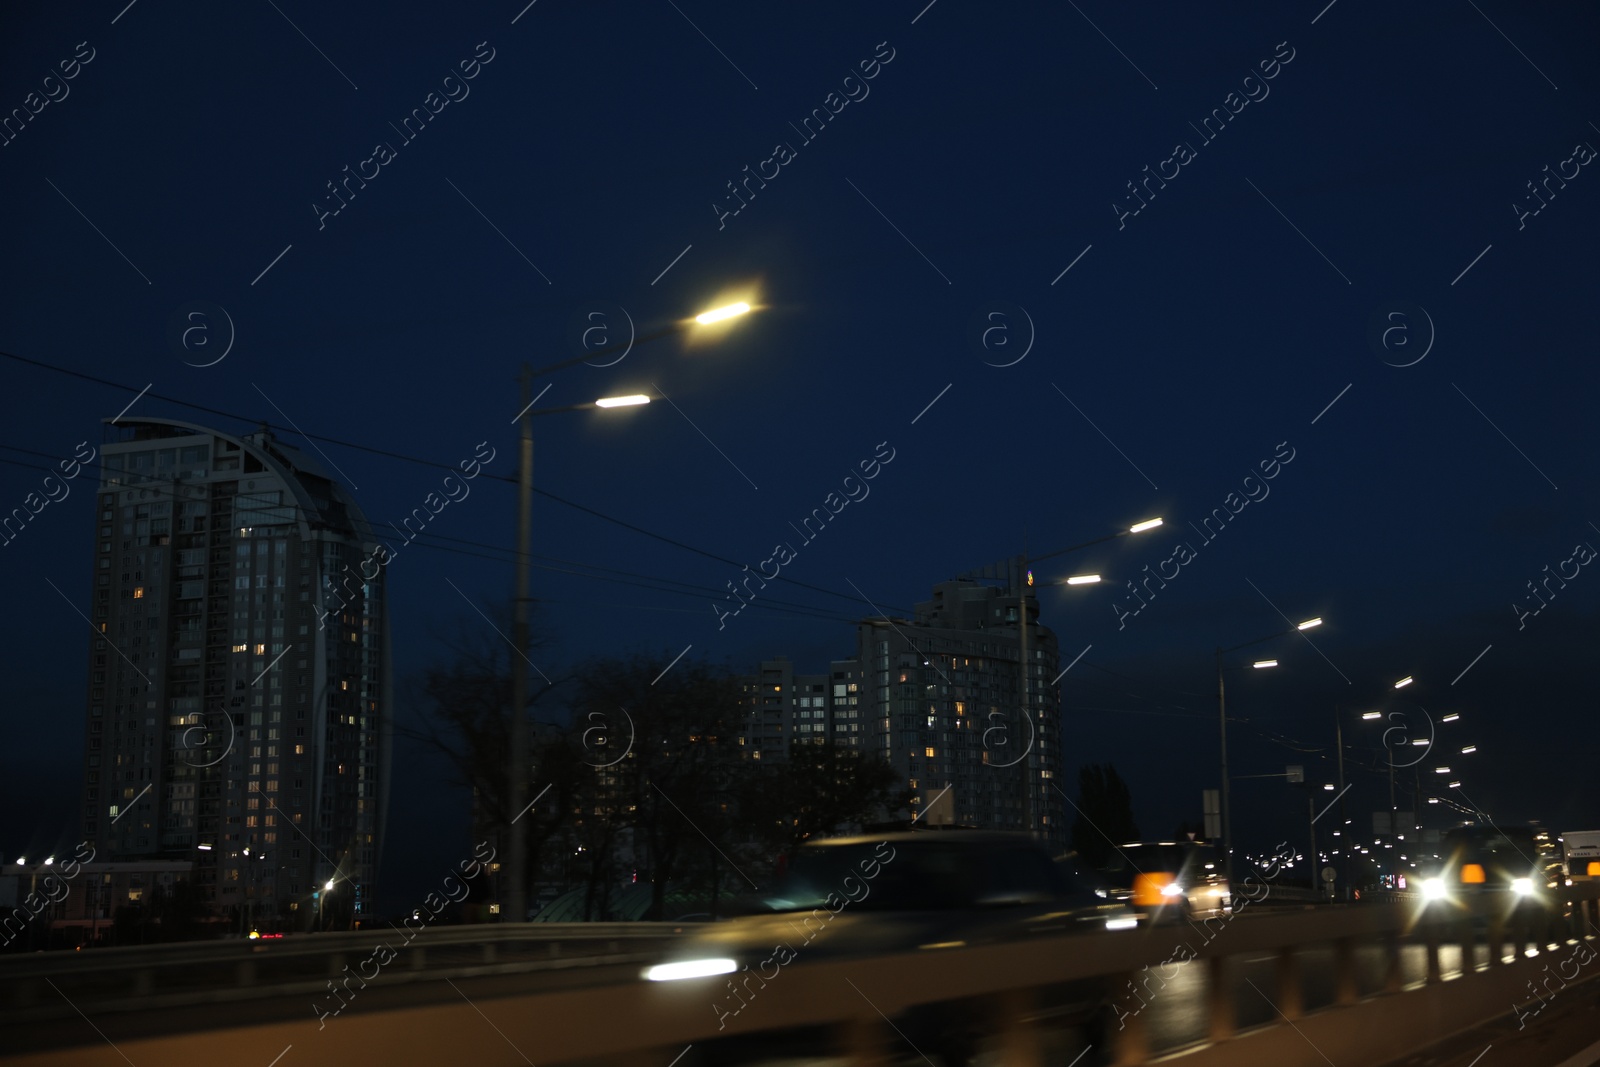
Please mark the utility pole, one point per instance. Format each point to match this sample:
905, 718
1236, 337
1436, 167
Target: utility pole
1344, 835
1029, 778
1227, 807
516, 891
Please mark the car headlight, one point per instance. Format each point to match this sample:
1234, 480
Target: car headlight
1434, 889
1123, 923
672, 972
1172, 890
1522, 886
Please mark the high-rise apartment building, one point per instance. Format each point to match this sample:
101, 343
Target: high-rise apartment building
238, 712
782, 707
943, 698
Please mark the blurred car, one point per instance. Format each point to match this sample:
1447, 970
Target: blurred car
895, 893
1486, 859
1169, 880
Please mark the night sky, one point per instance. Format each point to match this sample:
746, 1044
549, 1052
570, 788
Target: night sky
1345, 277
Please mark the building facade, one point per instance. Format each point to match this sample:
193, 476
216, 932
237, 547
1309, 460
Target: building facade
782, 707
238, 709
944, 699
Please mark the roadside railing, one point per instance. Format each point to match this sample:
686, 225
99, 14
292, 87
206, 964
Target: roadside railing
143, 977
1010, 988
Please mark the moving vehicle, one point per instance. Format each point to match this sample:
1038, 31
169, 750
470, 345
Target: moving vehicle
1169, 879
894, 893
1581, 856
1487, 859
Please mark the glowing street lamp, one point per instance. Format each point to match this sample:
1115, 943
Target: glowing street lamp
1083, 579
1370, 715
1141, 527
1308, 624
1402, 683
705, 318
1260, 663
622, 401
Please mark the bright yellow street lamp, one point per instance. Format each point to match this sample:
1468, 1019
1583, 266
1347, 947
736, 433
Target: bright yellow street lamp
705, 318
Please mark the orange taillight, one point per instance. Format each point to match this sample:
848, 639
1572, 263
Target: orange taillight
1147, 889
1594, 869
1472, 874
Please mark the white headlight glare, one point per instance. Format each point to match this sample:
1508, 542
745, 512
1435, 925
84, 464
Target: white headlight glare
1172, 890
1121, 924
1522, 886
671, 972
1433, 889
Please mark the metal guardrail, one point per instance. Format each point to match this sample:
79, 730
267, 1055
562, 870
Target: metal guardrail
133, 978
1009, 986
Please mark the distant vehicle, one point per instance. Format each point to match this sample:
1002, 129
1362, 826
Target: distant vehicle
1169, 879
1482, 859
897, 892
1581, 856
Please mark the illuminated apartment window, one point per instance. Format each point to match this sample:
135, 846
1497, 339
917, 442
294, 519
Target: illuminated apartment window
343, 684
241, 648
138, 592
929, 751
261, 650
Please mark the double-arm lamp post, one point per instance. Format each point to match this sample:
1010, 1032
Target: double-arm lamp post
1222, 722
517, 860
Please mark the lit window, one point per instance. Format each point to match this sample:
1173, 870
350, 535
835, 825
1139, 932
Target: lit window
241, 648
138, 592
261, 650
929, 751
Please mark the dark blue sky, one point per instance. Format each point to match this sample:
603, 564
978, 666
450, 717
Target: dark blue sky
584, 164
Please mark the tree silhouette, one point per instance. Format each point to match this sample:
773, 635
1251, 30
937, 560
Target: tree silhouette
1105, 814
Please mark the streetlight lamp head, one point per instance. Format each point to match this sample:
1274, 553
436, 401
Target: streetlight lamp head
1441, 770
1455, 785
1469, 750
1452, 717
1260, 663
622, 401
48, 860
718, 314
327, 886
1141, 527
1402, 683
1372, 714
1083, 579
1308, 624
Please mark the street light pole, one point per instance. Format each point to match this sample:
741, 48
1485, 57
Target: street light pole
516, 894
1227, 808
1222, 726
517, 861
